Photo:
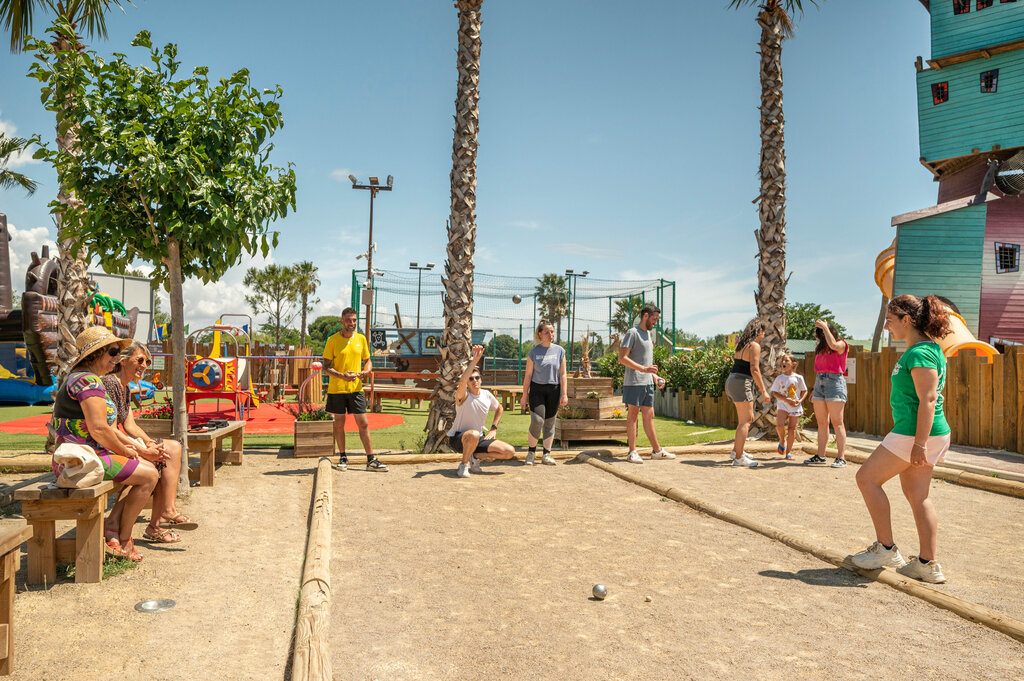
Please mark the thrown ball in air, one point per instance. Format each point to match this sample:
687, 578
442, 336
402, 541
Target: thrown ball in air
600, 591
517, 299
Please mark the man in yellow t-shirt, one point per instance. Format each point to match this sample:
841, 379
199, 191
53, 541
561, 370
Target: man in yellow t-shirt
347, 362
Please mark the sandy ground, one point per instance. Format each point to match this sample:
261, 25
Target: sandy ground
436, 577
235, 580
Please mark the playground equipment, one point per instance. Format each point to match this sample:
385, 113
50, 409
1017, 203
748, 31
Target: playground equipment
28, 337
961, 337
221, 376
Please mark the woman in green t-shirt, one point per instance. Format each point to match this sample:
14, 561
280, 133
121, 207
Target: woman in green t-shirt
919, 438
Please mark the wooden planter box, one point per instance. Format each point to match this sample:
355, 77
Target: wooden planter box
157, 427
598, 408
314, 438
568, 430
579, 387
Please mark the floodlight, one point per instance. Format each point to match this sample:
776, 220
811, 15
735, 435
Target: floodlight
413, 264
373, 181
391, 180
430, 265
353, 178
568, 271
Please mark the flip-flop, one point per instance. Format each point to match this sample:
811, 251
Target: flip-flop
179, 522
161, 536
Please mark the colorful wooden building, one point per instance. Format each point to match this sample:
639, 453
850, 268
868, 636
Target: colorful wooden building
970, 102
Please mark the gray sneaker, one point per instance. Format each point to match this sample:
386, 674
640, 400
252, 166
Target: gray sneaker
634, 457
839, 463
531, 458
474, 465
930, 572
547, 460
463, 471
376, 465
877, 556
342, 464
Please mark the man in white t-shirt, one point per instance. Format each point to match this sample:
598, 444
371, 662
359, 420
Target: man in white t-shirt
467, 433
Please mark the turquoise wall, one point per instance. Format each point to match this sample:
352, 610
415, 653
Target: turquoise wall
971, 119
955, 33
942, 254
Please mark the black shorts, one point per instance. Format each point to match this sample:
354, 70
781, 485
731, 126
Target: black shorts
544, 399
455, 442
346, 403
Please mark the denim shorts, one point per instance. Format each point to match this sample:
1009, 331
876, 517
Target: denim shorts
638, 395
829, 387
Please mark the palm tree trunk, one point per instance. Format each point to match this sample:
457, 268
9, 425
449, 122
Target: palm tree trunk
457, 340
771, 237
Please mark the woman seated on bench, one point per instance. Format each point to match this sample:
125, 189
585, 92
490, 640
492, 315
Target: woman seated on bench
84, 414
134, 361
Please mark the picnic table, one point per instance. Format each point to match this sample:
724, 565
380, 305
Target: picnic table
210, 447
12, 535
509, 395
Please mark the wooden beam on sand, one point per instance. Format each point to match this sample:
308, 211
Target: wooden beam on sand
974, 612
311, 656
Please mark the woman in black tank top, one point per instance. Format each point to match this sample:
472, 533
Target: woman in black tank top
745, 376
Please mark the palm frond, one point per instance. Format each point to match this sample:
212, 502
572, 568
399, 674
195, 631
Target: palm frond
9, 146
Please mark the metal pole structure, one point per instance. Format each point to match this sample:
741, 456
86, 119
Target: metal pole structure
419, 285
519, 366
572, 276
373, 187
675, 325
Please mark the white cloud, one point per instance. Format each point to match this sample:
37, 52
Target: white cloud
22, 158
23, 243
341, 174
586, 251
525, 224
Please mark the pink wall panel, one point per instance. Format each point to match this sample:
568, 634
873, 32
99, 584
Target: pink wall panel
1002, 295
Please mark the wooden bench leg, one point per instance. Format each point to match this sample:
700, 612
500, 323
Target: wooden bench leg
89, 545
237, 439
207, 459
8, 566
42, 556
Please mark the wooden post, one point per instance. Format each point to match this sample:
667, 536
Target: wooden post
985, 399
1010, 400
311, 658
1019, 352
973, 399
998, 403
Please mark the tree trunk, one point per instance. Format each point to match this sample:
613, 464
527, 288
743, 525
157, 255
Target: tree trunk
457, 340
302, 328
173, 263
771, 238
879, 324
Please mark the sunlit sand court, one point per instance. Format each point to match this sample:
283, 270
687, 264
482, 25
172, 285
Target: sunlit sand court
440, 578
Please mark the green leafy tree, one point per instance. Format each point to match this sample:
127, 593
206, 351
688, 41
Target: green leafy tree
800, 318
507, 347
270, 333
553, 300
306, 283
322, 328
172, 171
273, 292
17, 18
9, 146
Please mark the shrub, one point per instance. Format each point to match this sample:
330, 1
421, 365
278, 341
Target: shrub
573, 413
164, 411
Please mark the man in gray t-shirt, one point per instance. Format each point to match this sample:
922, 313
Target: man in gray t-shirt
641, 378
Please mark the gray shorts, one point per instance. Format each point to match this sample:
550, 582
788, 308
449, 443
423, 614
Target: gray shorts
638, 395
739, 388
829, 387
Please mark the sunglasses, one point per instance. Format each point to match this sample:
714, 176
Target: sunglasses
475, 378
114, 351
143, 361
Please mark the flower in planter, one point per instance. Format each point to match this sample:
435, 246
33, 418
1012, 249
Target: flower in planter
304, 411
617, 414
593, 395
164, 411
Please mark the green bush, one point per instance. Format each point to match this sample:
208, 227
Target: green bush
703, 370
609, 367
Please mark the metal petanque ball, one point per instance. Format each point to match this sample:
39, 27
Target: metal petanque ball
600, 591
517, 299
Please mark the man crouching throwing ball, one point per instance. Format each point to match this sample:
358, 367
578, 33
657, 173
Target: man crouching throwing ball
467, 433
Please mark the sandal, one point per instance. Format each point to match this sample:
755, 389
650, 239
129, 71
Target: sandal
781, 448
112, 541
128, 551
179, 522
161, 536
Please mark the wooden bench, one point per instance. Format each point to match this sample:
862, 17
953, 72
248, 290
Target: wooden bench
42, 504
397, 392
210, 447
12, 535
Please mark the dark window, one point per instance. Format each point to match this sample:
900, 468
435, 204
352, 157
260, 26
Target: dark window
989, 80
982, 4
940, 92
961, 6
1007, 258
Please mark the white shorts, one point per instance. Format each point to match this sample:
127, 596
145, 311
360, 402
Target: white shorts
901, 445
788, 410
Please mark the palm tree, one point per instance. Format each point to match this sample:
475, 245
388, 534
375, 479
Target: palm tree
774, 18
9, 146
73, 281
306, 282
553, 300
627, 310
457, 340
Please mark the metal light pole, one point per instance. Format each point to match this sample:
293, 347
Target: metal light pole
373, 188
419, 285
572, 276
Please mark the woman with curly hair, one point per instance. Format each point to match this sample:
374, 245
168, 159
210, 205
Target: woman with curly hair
919, 438
829, 394
745, 376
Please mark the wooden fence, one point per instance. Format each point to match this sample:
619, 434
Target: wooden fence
984, 403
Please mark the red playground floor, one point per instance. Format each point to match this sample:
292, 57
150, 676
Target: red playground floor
266, 419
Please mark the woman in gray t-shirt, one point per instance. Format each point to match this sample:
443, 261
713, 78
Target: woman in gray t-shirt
544, 386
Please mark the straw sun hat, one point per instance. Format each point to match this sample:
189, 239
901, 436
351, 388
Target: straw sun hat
94, 338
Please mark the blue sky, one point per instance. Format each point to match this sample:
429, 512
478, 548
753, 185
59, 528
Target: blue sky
619, 138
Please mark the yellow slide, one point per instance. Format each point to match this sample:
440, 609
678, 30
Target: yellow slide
960, 339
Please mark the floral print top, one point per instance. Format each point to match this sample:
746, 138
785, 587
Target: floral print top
82, 385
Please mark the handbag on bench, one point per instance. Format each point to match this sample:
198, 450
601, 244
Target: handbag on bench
78, 466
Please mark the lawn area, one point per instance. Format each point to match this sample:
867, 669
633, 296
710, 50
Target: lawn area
408, 436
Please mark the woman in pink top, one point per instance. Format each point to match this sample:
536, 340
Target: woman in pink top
829, 396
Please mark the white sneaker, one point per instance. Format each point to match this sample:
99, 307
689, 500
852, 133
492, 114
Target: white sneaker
474, 465
930, 572
463, 471
547, 460
877, 556
634, 457
746, 461
530, 458
662, 454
